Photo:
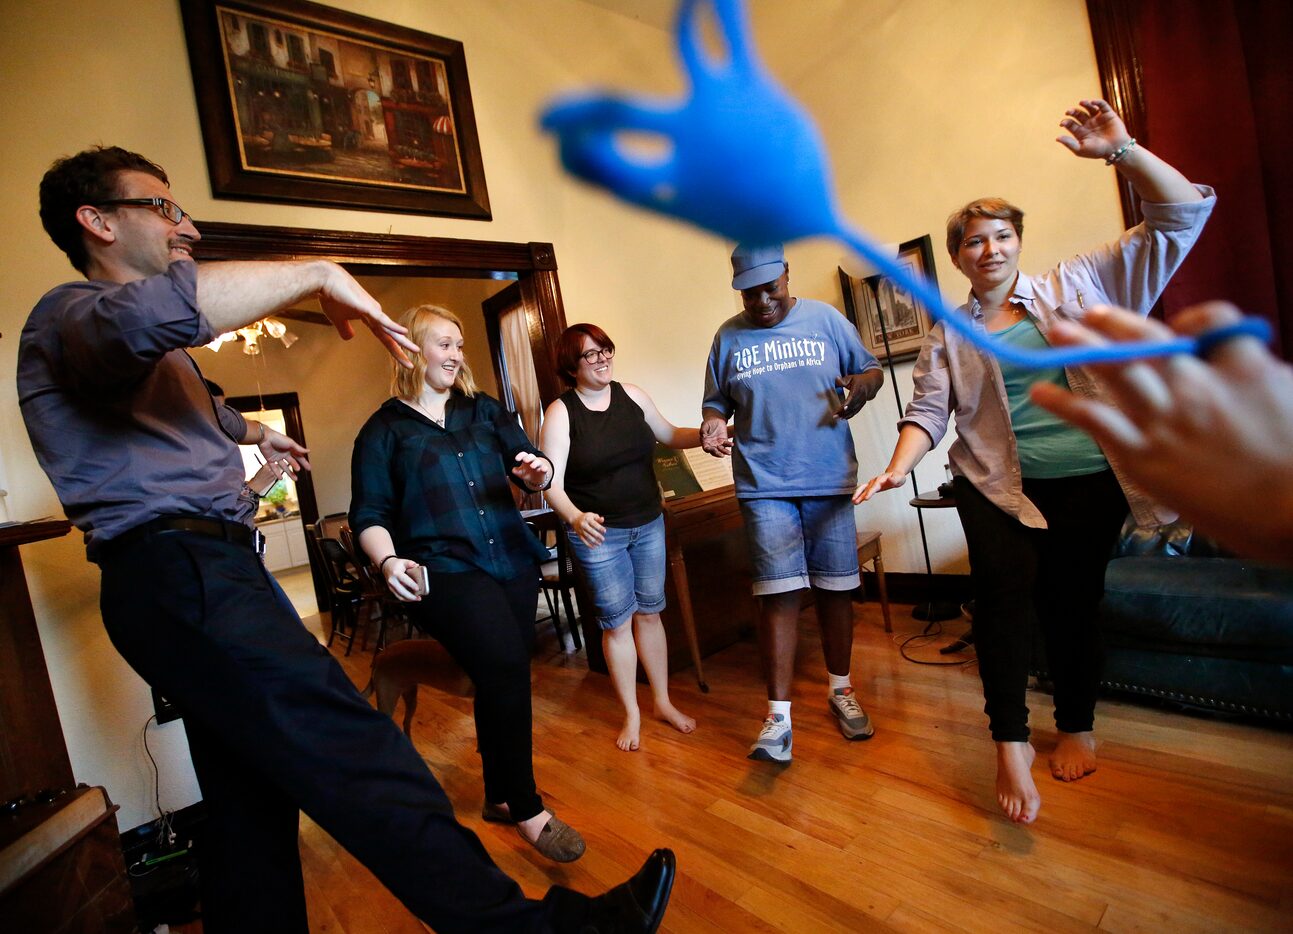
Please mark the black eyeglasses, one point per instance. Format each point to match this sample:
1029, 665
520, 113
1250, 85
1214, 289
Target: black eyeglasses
169, 209
592, 356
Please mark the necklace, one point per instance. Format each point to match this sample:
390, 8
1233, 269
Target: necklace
437, 419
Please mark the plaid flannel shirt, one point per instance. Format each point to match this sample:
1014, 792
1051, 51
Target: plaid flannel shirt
443, 493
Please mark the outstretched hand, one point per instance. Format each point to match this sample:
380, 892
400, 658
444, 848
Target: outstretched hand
889, 480
1097, 130
344, 300
1209, 437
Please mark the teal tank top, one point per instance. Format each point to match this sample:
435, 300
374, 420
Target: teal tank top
1049, 448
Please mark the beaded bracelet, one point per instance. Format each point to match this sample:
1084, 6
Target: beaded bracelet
1117, 155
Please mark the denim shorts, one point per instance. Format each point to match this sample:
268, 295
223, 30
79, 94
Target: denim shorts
800, 542
625, 573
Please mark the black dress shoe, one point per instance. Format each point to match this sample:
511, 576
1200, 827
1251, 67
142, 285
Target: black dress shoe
633, 907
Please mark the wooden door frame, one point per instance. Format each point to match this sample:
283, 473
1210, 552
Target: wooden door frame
290, 405
532, 265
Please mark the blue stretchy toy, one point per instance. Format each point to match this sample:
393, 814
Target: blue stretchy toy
747, 164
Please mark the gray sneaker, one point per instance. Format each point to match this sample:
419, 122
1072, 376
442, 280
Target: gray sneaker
774, 742
852, 719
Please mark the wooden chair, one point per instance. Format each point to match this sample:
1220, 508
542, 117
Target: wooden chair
345, 590
869, 551
556, 575
557, 582
377, 597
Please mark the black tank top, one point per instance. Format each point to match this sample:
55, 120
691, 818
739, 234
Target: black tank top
609, 469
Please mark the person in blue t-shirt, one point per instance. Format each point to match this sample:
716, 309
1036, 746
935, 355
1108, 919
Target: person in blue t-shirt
790, 372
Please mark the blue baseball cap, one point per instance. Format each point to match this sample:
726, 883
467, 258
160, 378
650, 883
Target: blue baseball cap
755, 265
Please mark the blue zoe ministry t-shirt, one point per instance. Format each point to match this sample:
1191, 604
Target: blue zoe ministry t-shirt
778, 384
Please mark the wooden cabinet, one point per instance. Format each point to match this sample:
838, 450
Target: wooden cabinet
284, 543
708, 588
61, 865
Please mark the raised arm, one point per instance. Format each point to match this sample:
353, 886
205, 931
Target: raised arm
555, 440
1098, 133
234, 294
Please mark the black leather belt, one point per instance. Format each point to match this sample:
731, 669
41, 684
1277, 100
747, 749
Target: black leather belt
234, 532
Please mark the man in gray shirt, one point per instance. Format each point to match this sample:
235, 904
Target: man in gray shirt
146, 464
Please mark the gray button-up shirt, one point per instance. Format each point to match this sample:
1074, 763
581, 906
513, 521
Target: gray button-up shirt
117, 411
954, 376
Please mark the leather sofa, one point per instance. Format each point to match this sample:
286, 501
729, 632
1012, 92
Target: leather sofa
1190, 625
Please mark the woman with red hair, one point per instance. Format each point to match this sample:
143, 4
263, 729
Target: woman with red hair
600, 436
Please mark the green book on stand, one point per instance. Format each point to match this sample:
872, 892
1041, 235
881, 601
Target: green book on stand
673, 473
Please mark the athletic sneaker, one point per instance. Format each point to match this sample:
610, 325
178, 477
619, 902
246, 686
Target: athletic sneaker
774, 742
852, 719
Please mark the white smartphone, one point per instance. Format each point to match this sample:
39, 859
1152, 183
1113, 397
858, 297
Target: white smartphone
421, 580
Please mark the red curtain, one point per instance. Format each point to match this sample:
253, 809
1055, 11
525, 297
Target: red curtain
1215, 94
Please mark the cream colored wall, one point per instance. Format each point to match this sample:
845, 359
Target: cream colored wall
903, 93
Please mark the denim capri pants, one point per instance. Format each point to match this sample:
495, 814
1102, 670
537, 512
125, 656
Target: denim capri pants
800, 542
625, 573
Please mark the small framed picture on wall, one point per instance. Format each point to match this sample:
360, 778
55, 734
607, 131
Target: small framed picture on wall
889, 319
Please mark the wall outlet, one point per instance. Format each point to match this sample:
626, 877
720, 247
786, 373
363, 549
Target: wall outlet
166, 711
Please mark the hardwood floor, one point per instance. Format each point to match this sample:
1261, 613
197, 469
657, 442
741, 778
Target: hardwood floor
1186, 826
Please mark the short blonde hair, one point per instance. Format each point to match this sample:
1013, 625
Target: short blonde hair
996, 208
406, 383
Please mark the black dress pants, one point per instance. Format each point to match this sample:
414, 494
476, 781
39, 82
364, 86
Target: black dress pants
488, 627
1054, 576
275, 725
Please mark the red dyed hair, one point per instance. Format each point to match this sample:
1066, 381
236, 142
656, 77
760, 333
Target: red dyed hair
570, 348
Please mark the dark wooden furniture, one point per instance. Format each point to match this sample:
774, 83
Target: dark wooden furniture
697, 524
709, 603
33, 756
61, 864
556, 575
706, 529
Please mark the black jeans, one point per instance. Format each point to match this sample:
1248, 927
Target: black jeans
488, 627
275, 725
1022, 576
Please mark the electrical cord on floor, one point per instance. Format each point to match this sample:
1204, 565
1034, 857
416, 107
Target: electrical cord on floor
933, 629
165, 831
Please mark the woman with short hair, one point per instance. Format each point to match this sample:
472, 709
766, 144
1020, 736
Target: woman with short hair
1040, 502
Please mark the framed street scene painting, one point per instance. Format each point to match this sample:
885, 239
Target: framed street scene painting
306, 104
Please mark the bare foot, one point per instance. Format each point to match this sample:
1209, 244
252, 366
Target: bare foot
627, 741
1016, 791
534, 826
1074, 756
674, 717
